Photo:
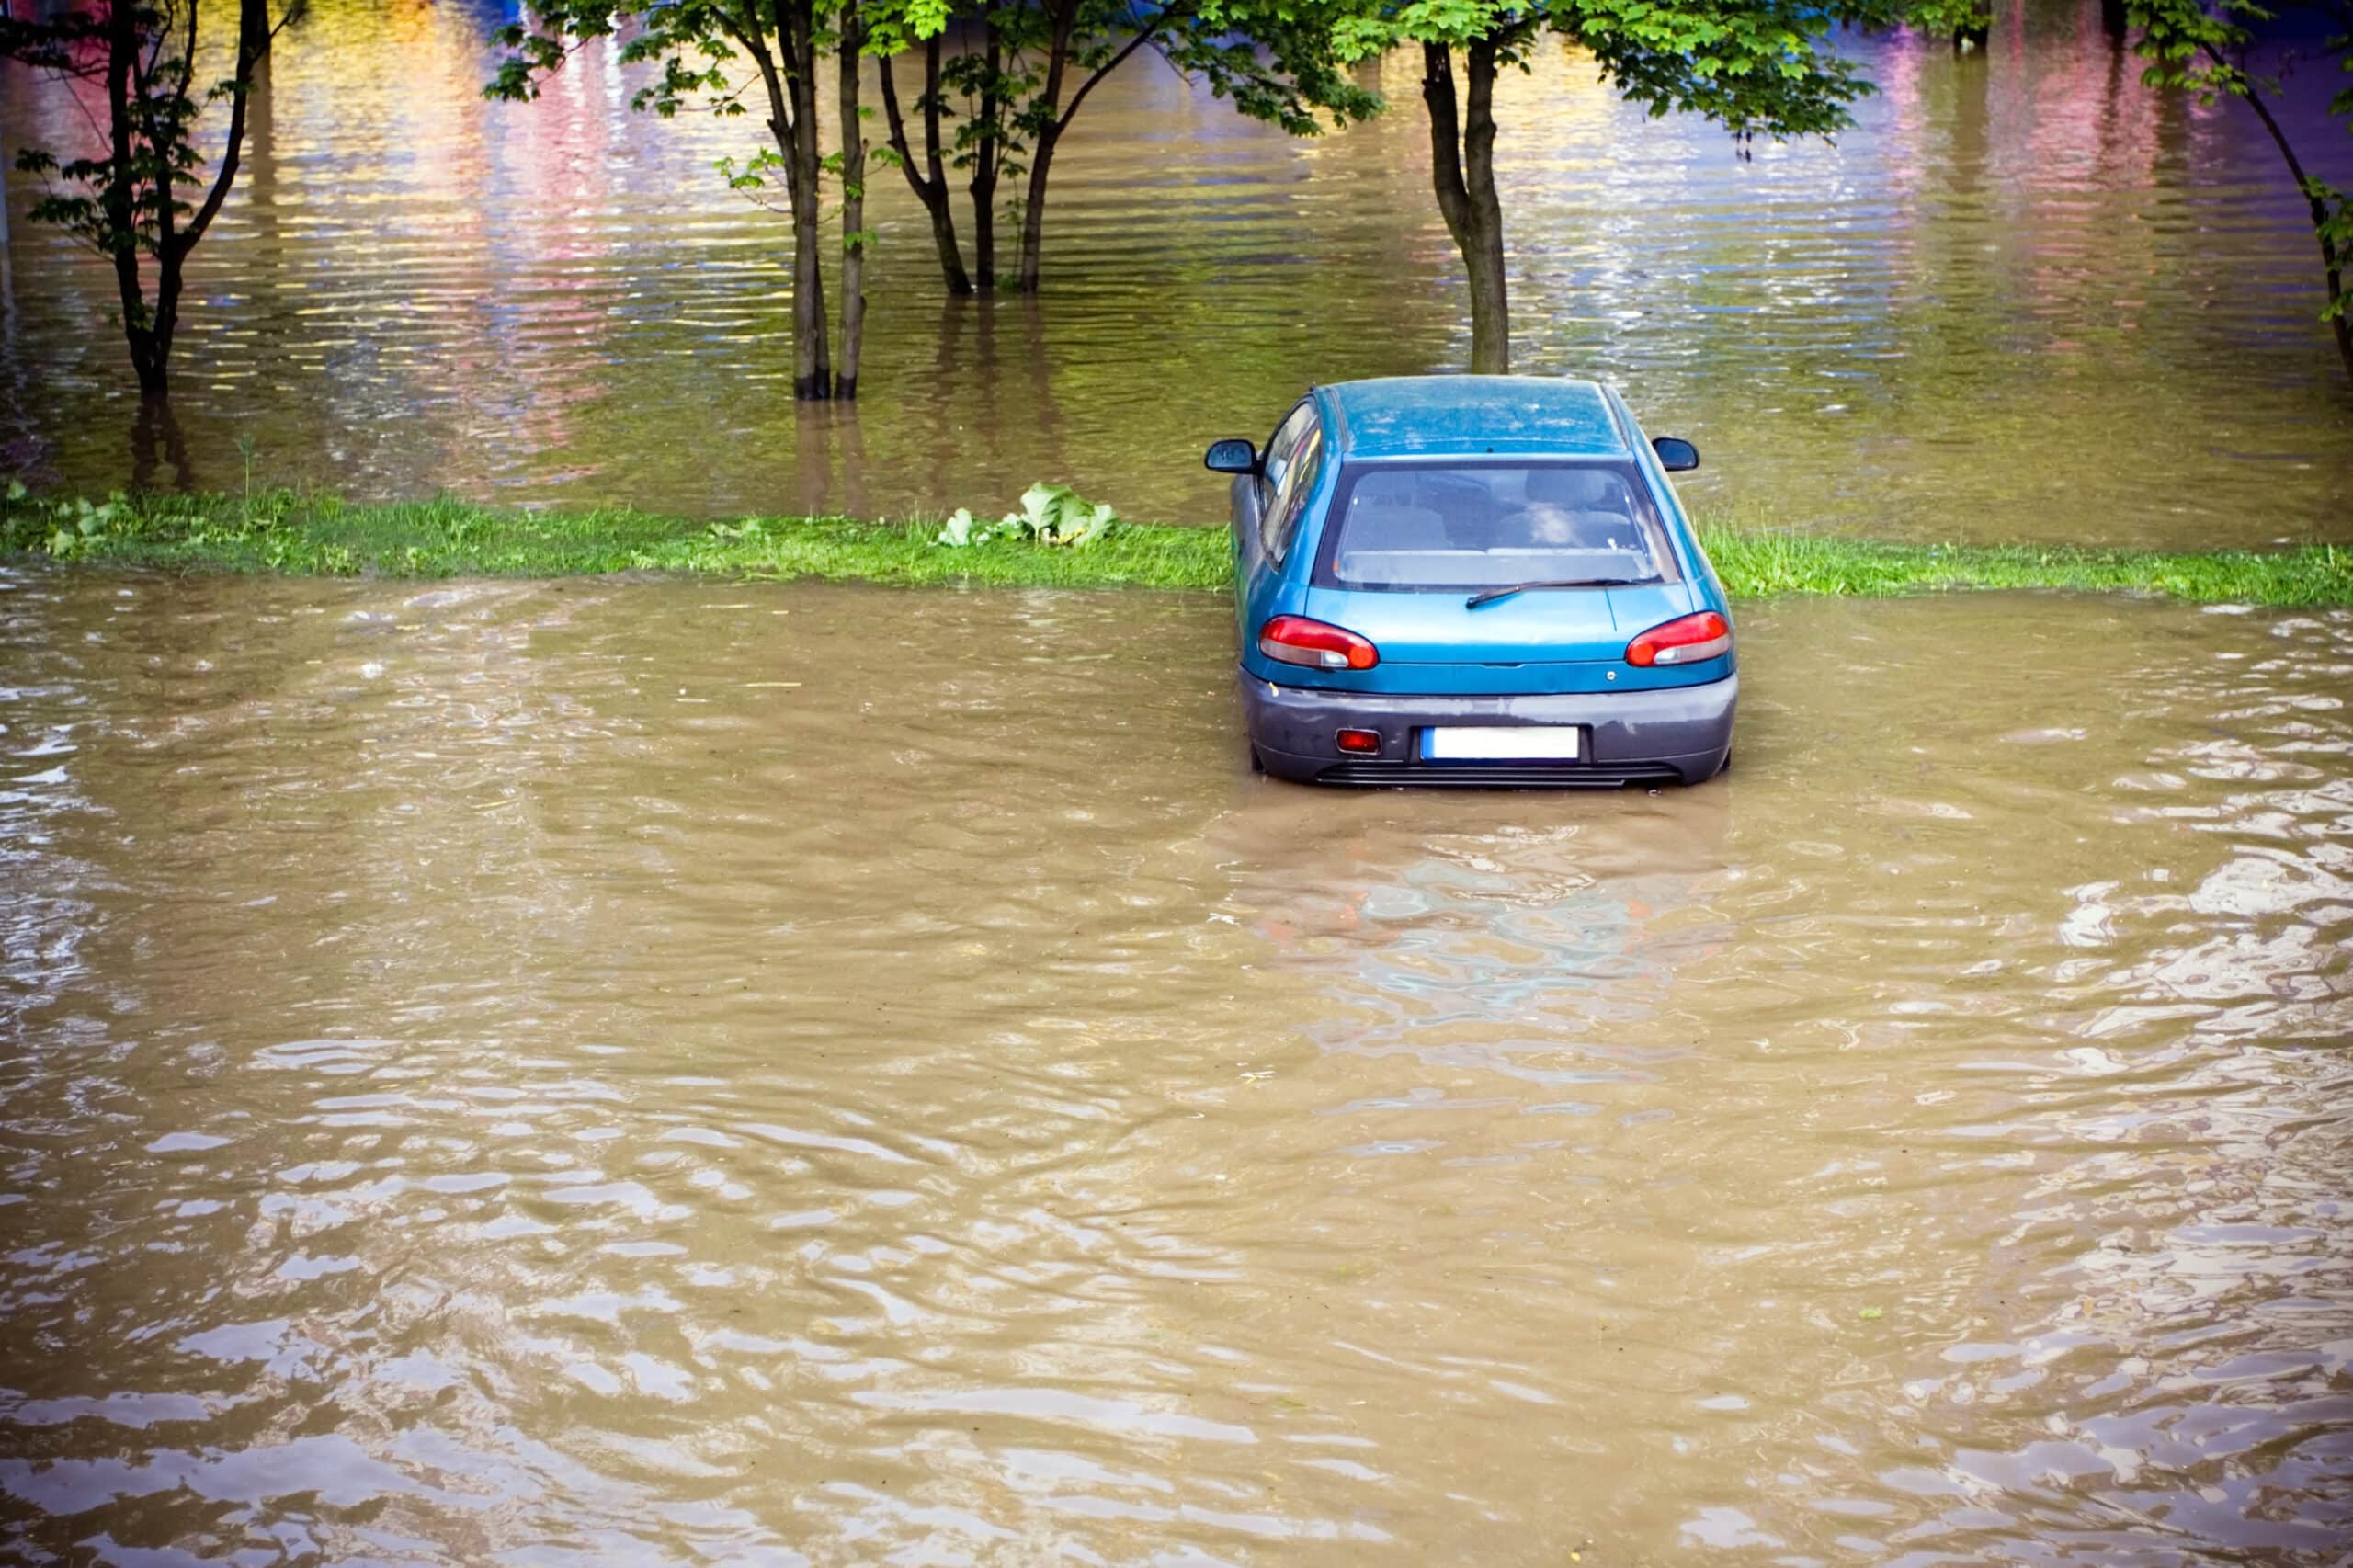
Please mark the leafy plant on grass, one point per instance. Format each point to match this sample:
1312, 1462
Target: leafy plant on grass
64, 529
1050, 515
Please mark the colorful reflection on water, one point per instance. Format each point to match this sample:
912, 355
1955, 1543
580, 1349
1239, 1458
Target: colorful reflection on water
2025, 299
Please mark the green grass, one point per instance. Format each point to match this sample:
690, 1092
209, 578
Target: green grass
303, 534
1756, 563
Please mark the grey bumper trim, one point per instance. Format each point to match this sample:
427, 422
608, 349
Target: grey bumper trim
1685, 729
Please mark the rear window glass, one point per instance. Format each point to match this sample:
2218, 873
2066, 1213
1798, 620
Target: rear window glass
1411, 526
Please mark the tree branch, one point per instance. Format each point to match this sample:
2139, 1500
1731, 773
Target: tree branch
745, 32
1143, 36
895, 124
255, 36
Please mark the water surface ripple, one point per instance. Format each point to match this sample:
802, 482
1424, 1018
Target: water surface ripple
685, 1073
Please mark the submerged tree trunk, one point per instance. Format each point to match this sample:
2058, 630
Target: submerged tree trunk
813, 379
1042, 146
1033, 210
853, 213
930, 182
1463, 169
788, 72
120, 200
988, 152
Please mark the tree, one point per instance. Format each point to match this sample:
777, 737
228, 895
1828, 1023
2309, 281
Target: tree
2205, 52
1752, 66
1018, 94
696, 43
980, 153
125, 201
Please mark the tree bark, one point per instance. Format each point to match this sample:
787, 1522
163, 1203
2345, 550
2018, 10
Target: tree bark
796, 131
988, 151
853, 213
119, 198
2112, 17
930, 184
1463, 171
789, 81
1041, 150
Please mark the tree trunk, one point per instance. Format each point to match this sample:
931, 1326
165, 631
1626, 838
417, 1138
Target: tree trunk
930, 185
853, 214
1041, 150
813, 379
1463, 171
1033, 208
988, 153
1049, 134
2112, 17
119, 198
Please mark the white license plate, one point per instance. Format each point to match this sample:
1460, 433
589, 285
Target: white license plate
1501, 743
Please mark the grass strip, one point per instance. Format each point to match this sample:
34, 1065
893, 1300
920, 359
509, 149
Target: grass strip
300, 533
1756, 563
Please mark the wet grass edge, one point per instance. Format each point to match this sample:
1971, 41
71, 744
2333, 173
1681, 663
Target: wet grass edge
299, 533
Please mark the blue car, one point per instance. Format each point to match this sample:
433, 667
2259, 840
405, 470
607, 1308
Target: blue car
1475, 580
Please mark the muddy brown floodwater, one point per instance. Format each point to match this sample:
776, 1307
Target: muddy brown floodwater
685, 1073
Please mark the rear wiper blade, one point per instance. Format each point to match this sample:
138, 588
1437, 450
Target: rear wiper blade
1490, 596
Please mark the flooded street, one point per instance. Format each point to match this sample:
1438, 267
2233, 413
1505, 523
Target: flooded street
695, 1073
2025, 298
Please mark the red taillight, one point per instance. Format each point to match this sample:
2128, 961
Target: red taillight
1295, 639
1706, 635
1363, 743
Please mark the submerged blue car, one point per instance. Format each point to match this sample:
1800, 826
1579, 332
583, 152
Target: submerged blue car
1475, 580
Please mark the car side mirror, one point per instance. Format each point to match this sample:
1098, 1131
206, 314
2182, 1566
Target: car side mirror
1233, 455
1674, 454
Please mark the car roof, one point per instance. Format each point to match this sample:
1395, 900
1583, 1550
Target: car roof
1396, 416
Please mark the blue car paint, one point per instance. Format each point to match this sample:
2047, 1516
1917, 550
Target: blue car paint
1534, 645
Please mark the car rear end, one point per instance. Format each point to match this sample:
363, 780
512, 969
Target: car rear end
1470, 621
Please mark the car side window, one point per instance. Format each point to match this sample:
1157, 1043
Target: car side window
1282, 447
1291, 496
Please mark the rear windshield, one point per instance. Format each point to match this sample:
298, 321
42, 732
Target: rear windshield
1489, 525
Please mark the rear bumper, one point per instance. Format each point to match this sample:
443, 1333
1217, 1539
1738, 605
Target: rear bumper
1674, 734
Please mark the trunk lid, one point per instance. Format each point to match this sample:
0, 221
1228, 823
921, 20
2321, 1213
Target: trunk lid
1545, 640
